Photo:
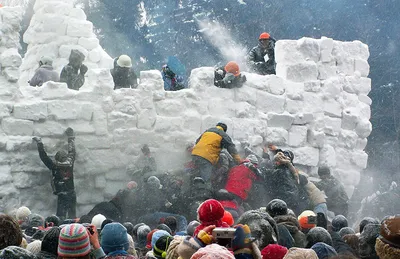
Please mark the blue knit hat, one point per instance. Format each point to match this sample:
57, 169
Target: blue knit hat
114, 237
157, 235
323, 250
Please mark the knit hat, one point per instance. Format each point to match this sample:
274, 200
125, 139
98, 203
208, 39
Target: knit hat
323, 250
73, 241
52, 220
35, 220
277, 207
210, 211
390, 231
50, 240
114, 237
346, 231
98, 220
316, 235
129, 227
34, 247
300, 253
213, 251
23, 212
164, 227
339, 222
228, 219
191, 227
161, 246
274, 251
10, 232
105, 222
303, 219
135, 229
154, 182
156, 235
171, 222
16, 252
365, 221
142, 233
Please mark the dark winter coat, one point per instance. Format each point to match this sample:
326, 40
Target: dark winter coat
74, 73
291, 223
46, 255
227, 80
124, 77
340, 246
367, 241
108, 209
288, 188
285, 238
62, 172
257, 62
43, 74
337, 199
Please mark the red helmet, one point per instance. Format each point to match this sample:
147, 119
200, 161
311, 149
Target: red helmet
264, 36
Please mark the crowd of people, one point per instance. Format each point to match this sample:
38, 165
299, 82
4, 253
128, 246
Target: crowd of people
218, 206
261, 60
221, 204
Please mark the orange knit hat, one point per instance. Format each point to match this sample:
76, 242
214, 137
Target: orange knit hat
264, 36
233, 68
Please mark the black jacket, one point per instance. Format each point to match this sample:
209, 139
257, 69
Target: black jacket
62, 172
257, 62
124, 77
222, 81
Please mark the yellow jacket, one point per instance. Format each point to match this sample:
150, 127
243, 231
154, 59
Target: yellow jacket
210, 144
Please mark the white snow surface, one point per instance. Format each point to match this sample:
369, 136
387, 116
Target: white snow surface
317, 106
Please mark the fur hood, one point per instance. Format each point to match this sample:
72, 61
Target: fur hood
385, 251
289, 221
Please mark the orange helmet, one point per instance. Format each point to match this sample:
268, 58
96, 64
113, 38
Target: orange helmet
233, 68
264, 36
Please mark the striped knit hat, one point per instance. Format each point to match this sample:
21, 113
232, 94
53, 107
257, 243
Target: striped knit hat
73, 241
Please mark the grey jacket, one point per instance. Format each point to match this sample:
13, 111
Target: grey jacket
257, 62
43, 74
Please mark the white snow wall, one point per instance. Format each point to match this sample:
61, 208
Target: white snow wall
317, 105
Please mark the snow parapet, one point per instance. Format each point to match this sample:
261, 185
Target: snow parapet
316, 105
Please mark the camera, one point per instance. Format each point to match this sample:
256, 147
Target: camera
224, 236
312, 220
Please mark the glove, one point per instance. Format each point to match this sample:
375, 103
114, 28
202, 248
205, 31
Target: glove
83, 69
37, 139
205, 235
220, 72
228, 78
242, 238
69, 132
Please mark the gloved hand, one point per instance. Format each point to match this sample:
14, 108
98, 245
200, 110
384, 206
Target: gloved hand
83, 69
228, 78
205, 235
242, 238
219, 72
37, 139
69, 132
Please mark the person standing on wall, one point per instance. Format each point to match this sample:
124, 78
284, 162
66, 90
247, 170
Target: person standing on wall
62, 169
262, 58
205, 153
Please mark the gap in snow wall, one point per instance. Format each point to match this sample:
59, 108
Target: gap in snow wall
316, 105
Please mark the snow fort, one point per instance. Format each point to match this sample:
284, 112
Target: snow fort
316, 105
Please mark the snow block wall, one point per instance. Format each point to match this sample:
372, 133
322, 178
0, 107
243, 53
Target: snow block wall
56, 28
317, 106
10, 59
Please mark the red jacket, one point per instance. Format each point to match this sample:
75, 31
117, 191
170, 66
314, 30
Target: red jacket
240, 180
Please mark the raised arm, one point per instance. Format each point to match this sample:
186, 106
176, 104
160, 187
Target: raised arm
42, 154
71, 144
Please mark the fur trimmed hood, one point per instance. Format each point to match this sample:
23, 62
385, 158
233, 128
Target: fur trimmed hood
385, 251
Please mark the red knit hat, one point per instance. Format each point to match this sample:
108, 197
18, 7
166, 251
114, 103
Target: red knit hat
264, 36
209, 211
228, 219
274, 251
